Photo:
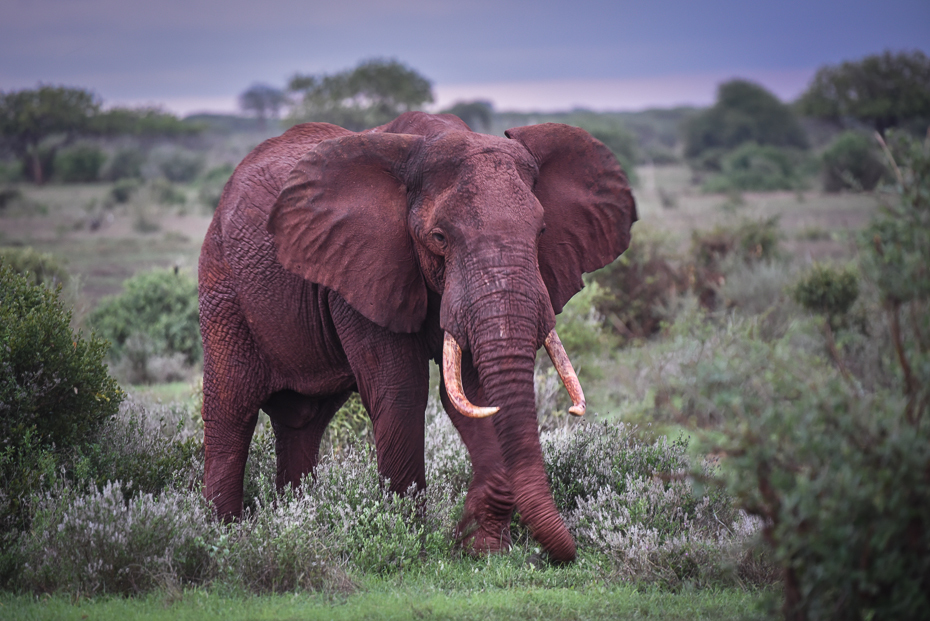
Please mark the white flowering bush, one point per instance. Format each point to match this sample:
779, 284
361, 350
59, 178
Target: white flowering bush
99, 542
628, 502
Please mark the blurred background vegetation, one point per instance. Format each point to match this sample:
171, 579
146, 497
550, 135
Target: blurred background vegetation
770, 319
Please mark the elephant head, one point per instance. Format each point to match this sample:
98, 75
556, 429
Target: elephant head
501, 228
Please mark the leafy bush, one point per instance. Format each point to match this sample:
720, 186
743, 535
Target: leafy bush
212, 185
11, 171
100, 542
181, 166
744, 112
153, 323
54, 390
851, 162
762, 168
37, 267
827, 291
123, 189
126, 163
79, 164
640, 288
166, 193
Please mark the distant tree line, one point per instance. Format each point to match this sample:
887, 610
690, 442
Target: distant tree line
36, 123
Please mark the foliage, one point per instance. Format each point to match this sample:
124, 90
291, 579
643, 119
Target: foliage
760, 168
126, 163
181, 166
145, 122
477, 114
262, 100
123, 190
100, 542
28, 117
896, 256
842, 484
851, 162
826, 290
54, 389
37, 267
212, 185
80, 163
166, 192
882, 90
373, 93
744, 112
155, 316
641, 287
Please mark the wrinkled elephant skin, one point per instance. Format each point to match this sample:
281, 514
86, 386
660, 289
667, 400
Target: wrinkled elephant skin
338, 262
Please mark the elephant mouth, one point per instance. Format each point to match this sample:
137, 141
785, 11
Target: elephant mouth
452, 376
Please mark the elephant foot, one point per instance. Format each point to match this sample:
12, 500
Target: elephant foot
485, 524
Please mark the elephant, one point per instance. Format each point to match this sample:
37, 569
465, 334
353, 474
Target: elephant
339, 261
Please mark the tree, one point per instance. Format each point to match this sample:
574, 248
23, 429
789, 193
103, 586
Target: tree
35, 123
30, 117
882, 90
373, 93
476, 114
264, 101
744, 112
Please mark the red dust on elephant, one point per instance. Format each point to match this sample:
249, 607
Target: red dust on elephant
341, 261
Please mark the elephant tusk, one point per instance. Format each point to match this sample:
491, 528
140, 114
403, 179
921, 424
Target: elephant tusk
564, 366
452, 376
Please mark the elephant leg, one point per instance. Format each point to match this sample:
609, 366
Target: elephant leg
233, 385
489, 504
299, 422
392, 374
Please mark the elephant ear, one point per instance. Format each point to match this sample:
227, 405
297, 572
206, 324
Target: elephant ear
341, 222
588, 205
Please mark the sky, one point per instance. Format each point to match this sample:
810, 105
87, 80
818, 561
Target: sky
198, 55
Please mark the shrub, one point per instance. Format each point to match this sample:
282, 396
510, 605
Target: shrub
166, 193
123, 189
753, 167
640, 288
54, 389
126, 163
181, 166
826, 290
213, 184
100, 542
37, 267
851, 162
744, 112
11, 171
154, 319
79, 164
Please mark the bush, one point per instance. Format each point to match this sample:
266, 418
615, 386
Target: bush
11, 171
761, 168
744, 112
38, 267
124, 164
826, 290
79, 164
181, 166
123, 189
851, 162
213, 184
640, 288
166, 193
54, 389
100, 542
154, 321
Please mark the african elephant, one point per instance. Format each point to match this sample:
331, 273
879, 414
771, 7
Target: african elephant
341, 261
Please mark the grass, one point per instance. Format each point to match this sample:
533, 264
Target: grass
406, 599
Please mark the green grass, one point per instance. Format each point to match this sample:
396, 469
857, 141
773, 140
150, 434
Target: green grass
397, 600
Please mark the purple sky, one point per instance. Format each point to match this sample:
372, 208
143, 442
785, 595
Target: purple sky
192, 55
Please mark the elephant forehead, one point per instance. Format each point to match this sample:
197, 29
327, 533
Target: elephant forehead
458, 151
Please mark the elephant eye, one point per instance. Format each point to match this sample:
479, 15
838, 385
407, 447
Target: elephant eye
439, 238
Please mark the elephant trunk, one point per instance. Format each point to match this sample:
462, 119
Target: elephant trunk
504, 337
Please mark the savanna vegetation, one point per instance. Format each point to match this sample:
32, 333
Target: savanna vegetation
757, 368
